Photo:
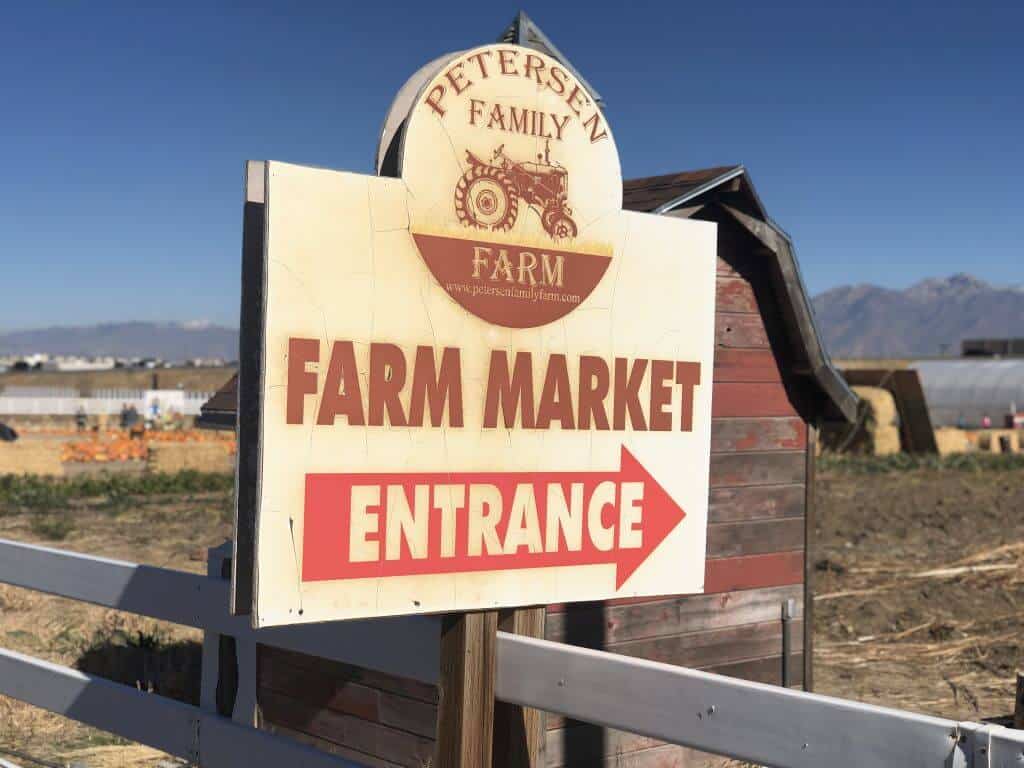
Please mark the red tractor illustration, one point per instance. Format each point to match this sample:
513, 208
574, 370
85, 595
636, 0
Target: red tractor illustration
488, 194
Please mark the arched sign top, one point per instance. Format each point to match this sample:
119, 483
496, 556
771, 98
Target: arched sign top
514, 180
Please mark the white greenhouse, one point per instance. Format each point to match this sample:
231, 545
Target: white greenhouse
963, 392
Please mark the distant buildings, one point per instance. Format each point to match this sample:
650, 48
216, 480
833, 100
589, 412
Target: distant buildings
41, 361
1005, 347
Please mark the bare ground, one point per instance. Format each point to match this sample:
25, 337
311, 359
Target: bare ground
920, 590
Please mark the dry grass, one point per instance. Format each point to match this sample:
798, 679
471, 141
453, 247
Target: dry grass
169, 532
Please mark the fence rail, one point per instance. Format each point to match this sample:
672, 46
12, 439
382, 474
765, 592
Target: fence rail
179, 729
100, 403
760, 723
202, 602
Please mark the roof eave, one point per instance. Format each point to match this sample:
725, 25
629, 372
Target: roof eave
820, 366
699, 190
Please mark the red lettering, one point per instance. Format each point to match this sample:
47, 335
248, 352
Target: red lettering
534, 64
661, 395
387, 377
506, 59
627, 394
594, 380
509, 392
479, 59
457, 78
687, 377
556, 396
436, 387
594, 121
433, 99
300, 381
341, 387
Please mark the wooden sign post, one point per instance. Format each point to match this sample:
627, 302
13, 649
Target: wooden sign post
519, 731
479, 385
465, 713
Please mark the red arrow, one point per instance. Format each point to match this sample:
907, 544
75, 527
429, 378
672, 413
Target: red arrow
380, 525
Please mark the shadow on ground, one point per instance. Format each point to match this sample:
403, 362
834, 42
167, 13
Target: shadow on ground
170, 669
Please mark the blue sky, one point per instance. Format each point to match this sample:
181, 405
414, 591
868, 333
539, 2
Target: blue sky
886, 137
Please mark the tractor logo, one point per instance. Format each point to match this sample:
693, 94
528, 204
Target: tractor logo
488, 195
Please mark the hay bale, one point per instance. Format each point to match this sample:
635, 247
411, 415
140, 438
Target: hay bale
881, 405
1001, 441
31, 458
876, 431
202, 457
952, 440
886, 441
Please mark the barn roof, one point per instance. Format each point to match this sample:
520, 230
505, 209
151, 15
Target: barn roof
726, 192
658, 194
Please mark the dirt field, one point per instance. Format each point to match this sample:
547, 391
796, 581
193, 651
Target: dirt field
920, 597
920, 589
199, 379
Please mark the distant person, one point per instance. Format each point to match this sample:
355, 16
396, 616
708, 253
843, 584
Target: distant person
129, 416
123, 417
80, 419
986, 422
136, 426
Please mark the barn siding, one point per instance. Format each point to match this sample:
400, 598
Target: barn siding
755, 543
371, 717
755, 550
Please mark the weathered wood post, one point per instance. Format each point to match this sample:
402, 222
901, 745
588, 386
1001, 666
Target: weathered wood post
472, 728
465, 711
519, 731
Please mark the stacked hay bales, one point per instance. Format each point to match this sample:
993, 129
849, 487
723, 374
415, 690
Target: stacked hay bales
952, 440
995, 440
202, 457
31, 458
876, 431
882, 422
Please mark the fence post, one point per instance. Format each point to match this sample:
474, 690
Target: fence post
230, 670
519, 731
1018, 704
210, 671
788, 609
465, 711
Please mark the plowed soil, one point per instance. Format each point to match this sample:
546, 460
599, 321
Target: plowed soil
920, 590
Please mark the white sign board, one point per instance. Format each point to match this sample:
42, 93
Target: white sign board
483, 383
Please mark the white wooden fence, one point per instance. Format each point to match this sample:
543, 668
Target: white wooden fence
760, 723
104, 402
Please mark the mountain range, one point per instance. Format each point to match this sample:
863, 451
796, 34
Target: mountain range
167, 341
929, 318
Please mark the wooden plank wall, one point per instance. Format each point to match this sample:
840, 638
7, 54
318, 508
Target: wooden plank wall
376, 719
755, 550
